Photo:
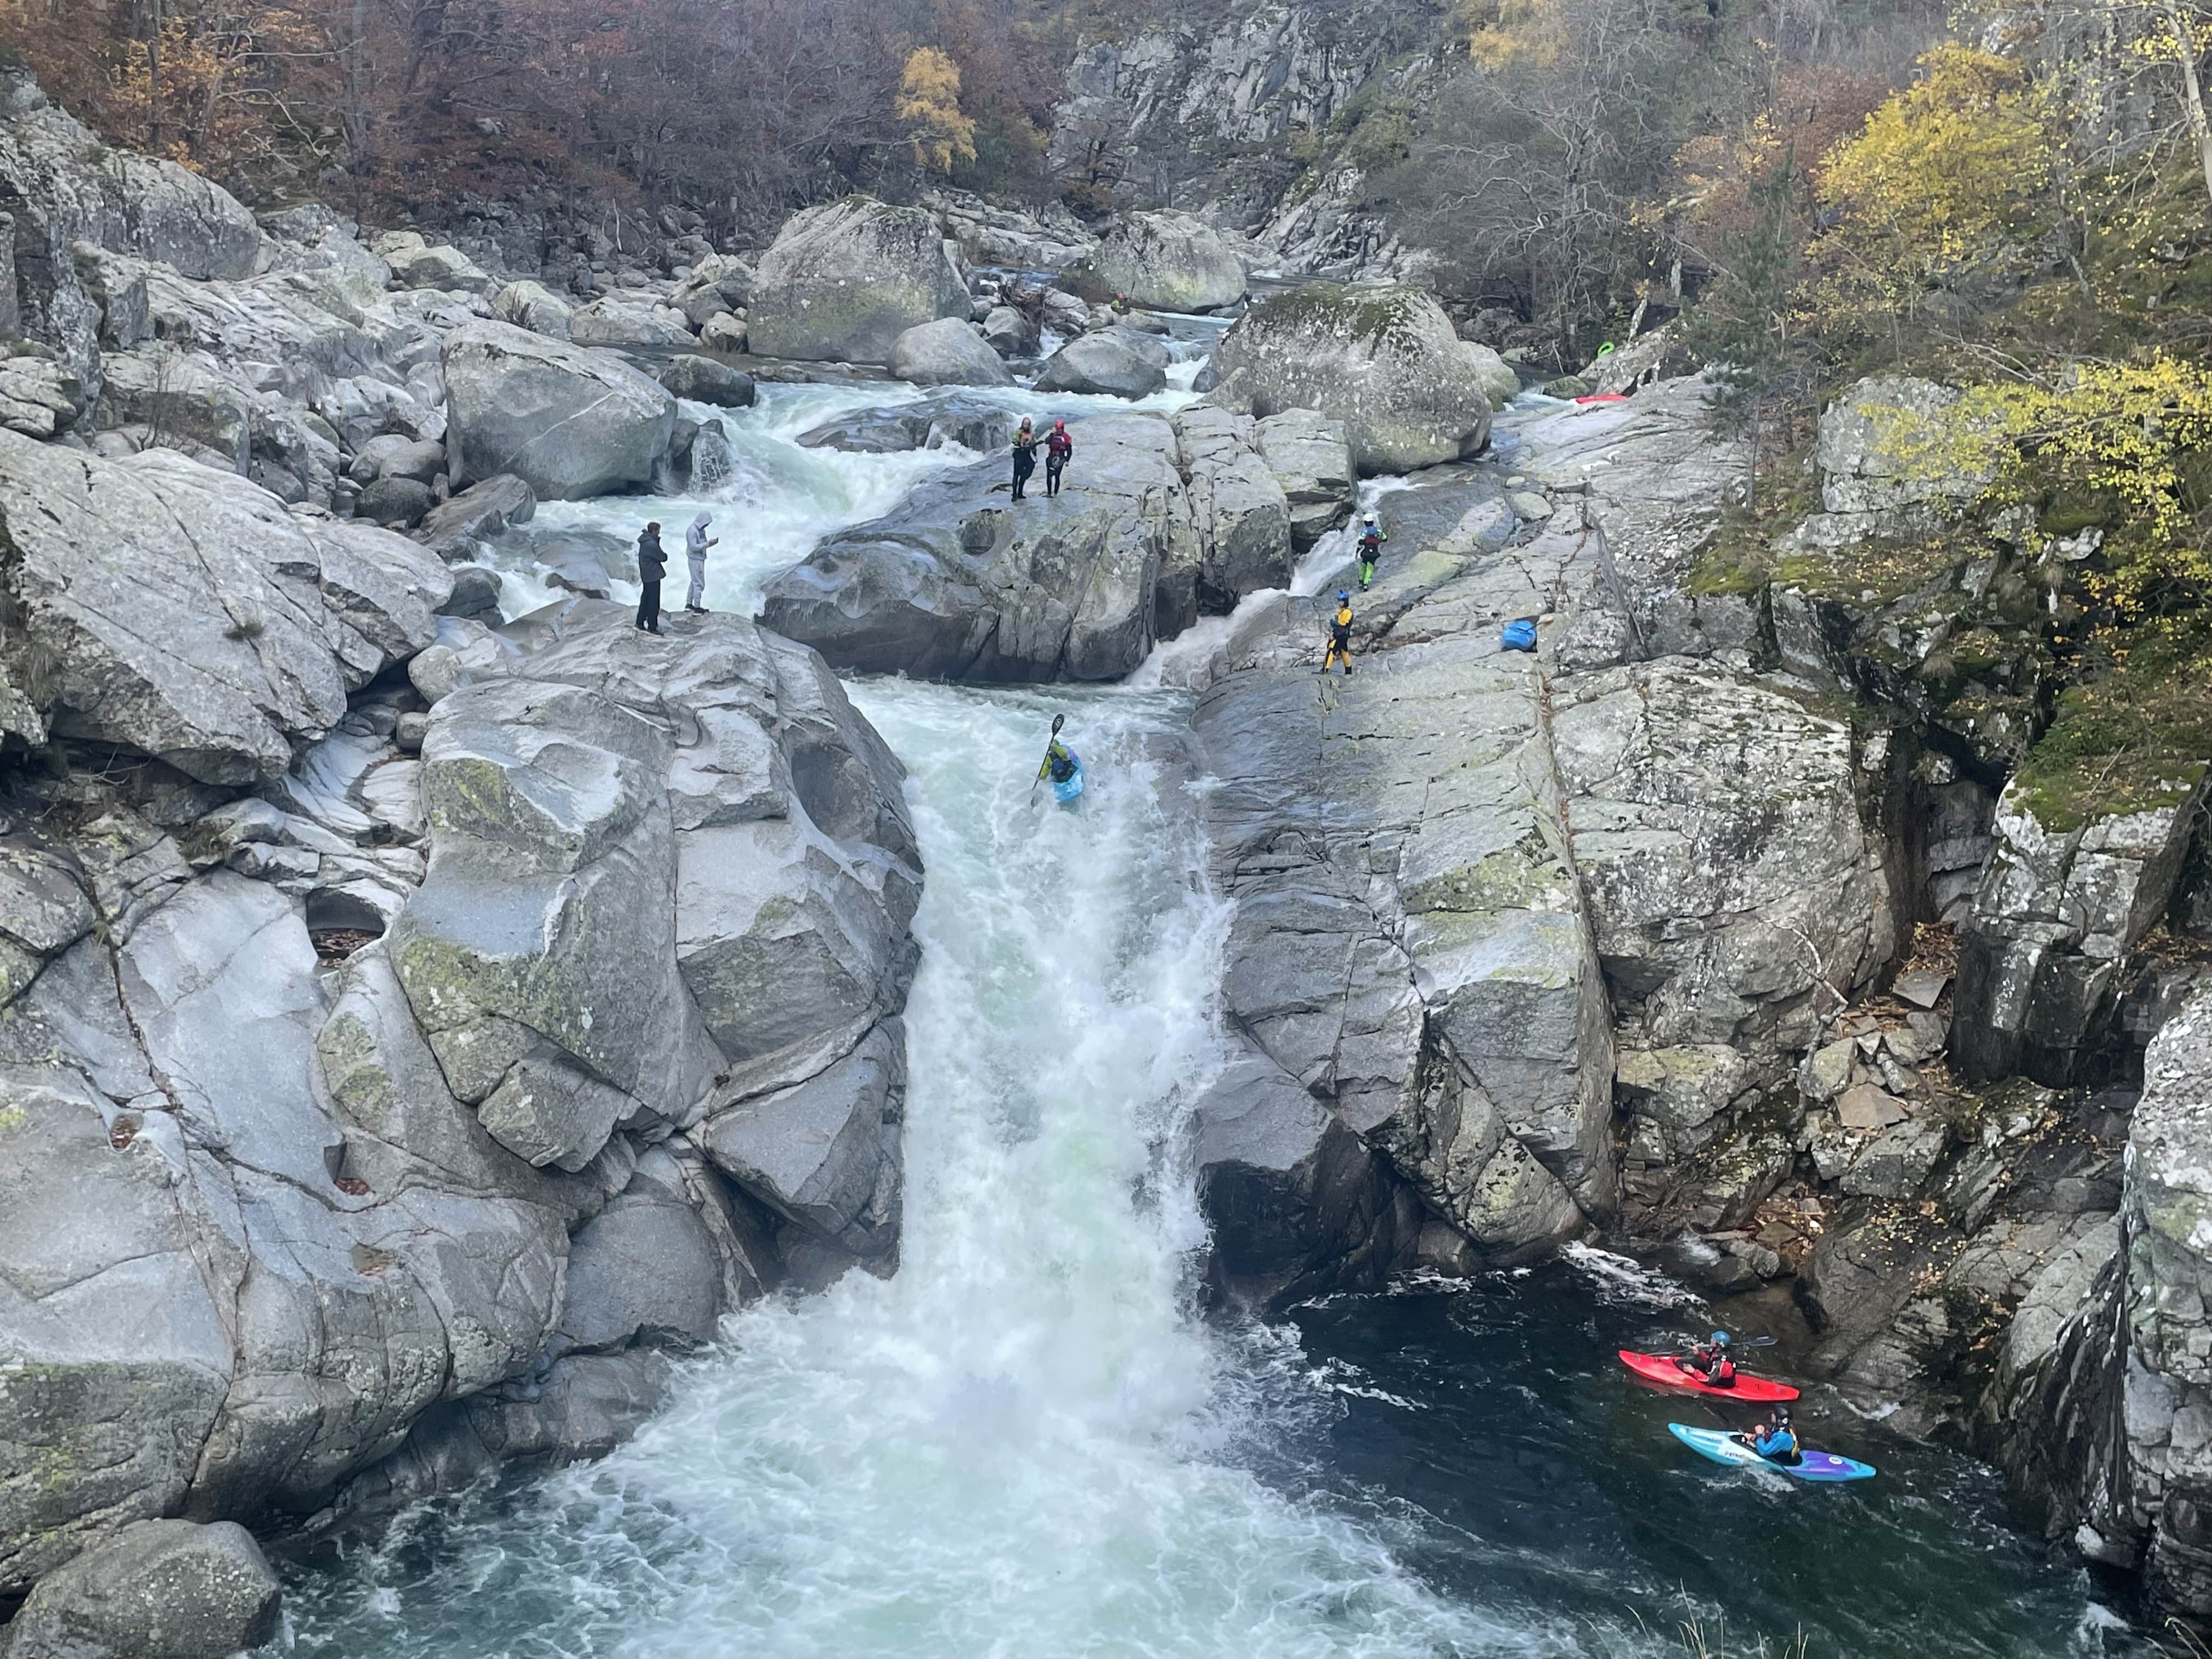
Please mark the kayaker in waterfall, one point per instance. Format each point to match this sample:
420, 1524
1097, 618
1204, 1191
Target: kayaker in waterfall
1710, 1363
1059, 449
652, 566
1774, 1439
1339, 635
1060, 762
697, 541
1025, 445
1370, 548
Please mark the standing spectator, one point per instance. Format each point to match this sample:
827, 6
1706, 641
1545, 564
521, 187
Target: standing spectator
652, 566
1025, 457
1059, 445
696, 543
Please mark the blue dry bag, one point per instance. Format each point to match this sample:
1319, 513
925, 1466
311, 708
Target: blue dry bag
1519, 635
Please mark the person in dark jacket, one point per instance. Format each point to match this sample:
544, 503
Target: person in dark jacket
1059, 448
652, 566
1025, 445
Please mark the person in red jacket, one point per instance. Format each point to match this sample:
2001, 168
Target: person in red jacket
1710, 1363
1058, 448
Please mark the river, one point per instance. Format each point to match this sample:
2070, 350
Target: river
1028, 1444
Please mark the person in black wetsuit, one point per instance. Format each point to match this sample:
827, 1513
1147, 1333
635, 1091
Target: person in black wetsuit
652, 566
1339, 635
1025, 447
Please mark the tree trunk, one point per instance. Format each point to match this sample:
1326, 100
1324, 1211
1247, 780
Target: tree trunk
154, 79
2192, 103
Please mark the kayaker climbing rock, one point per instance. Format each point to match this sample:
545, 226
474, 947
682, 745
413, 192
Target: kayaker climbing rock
1339, 635
1711, 1362
1372, 537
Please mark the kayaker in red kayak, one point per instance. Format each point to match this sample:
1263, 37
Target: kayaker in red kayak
1710, 1363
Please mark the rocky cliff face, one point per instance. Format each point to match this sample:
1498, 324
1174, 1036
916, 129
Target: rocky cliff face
1198, 113
2098, 1409
286, 1198
412, 1032
1477, 888
1707, 927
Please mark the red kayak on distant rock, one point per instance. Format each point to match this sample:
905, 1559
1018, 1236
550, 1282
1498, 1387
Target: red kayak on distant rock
1658, 1367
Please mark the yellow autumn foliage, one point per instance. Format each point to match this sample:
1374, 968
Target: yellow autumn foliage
1956, 162
2131, 440
929, 98
1515, 34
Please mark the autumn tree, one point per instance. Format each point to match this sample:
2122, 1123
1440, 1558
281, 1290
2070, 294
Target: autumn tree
929, 102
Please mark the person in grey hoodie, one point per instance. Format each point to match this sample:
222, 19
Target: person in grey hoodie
696, 543
652, 566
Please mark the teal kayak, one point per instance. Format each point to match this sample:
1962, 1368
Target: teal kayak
1069, 790
1724, 1448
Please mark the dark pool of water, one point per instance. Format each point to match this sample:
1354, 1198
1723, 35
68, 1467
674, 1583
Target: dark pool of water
1488, 1425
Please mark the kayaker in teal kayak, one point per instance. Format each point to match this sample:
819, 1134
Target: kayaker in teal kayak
1774, 1439
1710, 1362
1060, 762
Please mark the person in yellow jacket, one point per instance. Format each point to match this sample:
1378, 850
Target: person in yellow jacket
1339, 635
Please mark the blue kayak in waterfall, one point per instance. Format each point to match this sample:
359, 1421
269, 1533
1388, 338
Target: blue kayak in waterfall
1069, 790
1724, 1448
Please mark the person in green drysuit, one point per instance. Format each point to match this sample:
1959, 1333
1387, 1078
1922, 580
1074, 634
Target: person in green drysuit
1370, 548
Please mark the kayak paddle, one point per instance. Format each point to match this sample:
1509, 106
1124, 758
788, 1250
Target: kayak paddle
1735, 1341
1058, 720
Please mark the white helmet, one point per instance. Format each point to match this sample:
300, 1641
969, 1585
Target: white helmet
1369, 515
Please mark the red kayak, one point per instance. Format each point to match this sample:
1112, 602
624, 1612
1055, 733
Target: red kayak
1657, 1367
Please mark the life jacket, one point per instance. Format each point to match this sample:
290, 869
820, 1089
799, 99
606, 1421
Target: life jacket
1777, 1445
1061, 762
1370, 542
1339, 627
1060, 446
1723, 1374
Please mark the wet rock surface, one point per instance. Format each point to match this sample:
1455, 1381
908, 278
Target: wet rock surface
355, 1131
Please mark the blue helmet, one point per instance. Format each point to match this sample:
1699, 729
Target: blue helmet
1721, 1337
1343, 593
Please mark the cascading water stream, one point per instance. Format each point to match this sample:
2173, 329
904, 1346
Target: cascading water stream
1023, 1444
1028, 1442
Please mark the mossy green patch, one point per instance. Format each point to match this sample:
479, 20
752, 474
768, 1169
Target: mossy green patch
2134, 735
1387, 317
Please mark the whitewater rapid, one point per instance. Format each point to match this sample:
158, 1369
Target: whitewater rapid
1028, 1442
